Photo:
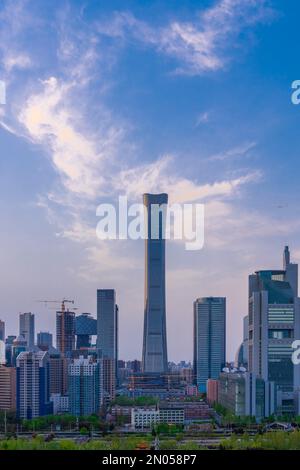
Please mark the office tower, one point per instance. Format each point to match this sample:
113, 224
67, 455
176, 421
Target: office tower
108, 379
8, 349
274, 323
107, 323
27, 328
85, 328
7, 388
84, 386
33, 384
209, 339
107, 326
2, 330
65, 331
155, 358
19, 345
44, 340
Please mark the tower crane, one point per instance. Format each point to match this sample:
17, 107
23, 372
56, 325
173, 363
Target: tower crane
63, 337
62, 302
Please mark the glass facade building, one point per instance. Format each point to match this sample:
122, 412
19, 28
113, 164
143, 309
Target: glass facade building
85, 328
44, 340
155, 359
273, 326
209, 339
26, 323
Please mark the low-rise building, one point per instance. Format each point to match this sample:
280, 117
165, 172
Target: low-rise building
170, 415
178, 413
245, 394
144, 418
191, 390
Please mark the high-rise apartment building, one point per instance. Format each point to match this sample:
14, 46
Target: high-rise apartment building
155, 359
84, 388
58, 372
274, 323
7, 388
65, 331
33, 384
209, 339
26, 323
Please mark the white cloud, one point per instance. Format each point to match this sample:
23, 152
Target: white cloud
16, 61
201, 45
50, 117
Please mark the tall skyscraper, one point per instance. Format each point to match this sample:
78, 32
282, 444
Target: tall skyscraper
209, 339
44, 340
65, 331
2, 330
27, 328
155, 358
33, 385
84, 386
107, 325
274, 323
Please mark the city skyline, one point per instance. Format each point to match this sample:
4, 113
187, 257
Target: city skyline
193, 99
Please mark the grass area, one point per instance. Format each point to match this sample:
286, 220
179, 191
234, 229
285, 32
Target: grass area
38, 443
278, 440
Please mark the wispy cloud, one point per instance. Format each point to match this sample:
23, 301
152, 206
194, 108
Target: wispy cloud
19, 61
201, 45
49, 118
202, 118
235, 152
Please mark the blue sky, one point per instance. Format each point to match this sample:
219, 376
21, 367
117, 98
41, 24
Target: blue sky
122, 97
